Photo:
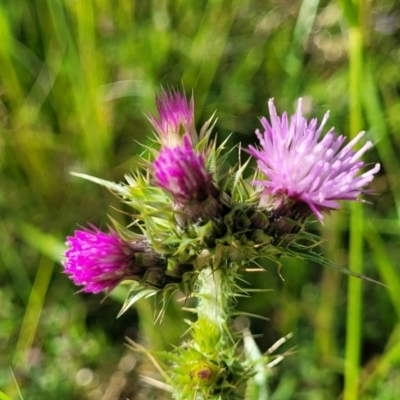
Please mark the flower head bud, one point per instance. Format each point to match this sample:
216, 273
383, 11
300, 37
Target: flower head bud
99, 261
176, 119
303, 169
182, 172
204, 374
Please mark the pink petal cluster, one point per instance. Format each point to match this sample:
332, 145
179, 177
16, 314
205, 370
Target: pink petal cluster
303, 167
96, 260
176, 118
182, 172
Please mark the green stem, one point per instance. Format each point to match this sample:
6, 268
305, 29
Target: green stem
213, 297
209, 364
354, 310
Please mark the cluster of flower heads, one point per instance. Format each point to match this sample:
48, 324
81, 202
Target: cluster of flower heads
299, 174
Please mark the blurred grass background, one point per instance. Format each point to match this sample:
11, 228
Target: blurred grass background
76, 79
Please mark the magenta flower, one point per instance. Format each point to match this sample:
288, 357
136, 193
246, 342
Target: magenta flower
302, 168
182, 172
176, 118
98, 261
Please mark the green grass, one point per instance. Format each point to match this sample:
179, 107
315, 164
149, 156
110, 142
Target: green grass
76, 80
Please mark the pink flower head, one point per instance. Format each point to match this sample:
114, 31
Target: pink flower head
182, 172
176, 118
96, 260
305, 169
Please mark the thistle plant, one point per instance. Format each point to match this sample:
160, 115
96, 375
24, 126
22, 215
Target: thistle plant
201, 223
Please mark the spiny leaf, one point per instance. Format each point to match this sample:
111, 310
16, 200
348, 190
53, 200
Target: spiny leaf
242, 313
238, 178
206, 130
166, 296
135, 294
257, 385
114, 187
306, 254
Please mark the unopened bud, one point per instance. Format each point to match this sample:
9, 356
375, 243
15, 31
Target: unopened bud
204, 374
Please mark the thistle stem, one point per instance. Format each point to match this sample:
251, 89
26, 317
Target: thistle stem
212, 293
211, 360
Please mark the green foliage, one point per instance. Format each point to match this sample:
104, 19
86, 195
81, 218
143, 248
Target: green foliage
76, 78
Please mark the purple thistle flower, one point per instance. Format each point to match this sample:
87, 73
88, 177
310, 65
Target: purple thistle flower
182, 172
302, 169
176, 118
98, 261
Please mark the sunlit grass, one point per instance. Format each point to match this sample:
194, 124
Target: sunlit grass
76, 81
